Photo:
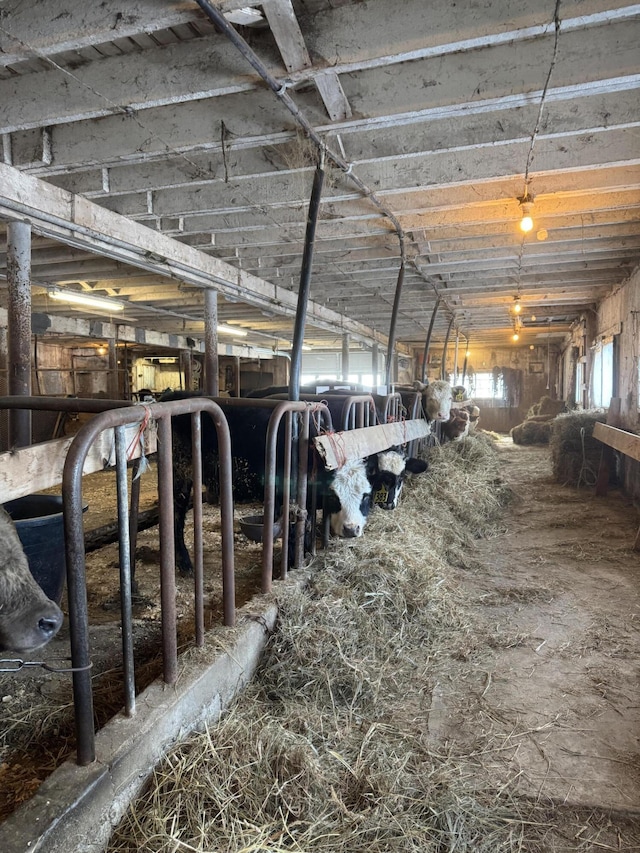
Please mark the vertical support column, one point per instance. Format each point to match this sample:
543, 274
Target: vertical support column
113, 390
211, 382
455, 359
185, 369
345, 356
19, 333
375, 358
4, 387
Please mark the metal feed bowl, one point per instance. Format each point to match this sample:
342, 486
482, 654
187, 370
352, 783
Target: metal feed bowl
253, 525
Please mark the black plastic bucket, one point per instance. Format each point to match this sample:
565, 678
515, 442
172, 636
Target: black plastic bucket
39, 522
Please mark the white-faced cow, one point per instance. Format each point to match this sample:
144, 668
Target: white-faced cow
346, 492
437, 398
28, 619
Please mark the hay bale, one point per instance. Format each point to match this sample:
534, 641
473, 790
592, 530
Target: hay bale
546, 406
532, 431
575, 454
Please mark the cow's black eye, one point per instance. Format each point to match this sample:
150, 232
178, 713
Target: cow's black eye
332, 503
365, 504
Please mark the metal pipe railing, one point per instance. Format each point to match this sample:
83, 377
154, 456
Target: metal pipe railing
74, 534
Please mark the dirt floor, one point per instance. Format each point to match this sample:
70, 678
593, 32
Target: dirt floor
559, 693
563, 695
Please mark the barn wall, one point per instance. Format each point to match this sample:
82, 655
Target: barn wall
619, 314
533, 373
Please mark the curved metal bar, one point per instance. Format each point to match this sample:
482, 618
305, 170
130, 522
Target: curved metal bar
466, 359
427, 342
443, 366
394, 318
74, 542
305, 282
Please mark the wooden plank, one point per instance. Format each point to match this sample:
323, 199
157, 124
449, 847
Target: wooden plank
32, 469
626, 442
607, 458
337, 447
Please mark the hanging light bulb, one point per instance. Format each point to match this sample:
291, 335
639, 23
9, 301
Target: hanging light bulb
526, 203
517, 307
515, 337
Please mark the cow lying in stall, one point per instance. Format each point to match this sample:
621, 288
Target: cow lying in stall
347, 491
28, 619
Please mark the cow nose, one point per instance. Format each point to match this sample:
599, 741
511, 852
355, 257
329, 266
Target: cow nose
351, 531
49, 625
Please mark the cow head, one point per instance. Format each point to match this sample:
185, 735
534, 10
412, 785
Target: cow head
437, 400
28, 619
387, 472
348, 499
457, 426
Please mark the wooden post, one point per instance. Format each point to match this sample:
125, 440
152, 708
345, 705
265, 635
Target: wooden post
19, 334
211, 381
185, 369
606, 460
345, 356
374, 365
113, 389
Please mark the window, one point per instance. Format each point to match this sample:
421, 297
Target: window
579, 392
486, 387
602, 385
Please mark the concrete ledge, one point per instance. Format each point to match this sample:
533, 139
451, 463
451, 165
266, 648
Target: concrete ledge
75, 808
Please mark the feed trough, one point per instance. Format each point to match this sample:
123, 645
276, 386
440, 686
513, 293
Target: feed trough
253, 525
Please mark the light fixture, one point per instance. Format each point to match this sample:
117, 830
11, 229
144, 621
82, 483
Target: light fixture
87, 300
517, 307
526, 203
232, 330
468, 353
515, 337
101, 350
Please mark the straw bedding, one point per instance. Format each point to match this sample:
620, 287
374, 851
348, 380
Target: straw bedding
330, 749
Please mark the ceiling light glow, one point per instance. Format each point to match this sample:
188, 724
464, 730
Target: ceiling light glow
86, 300
232, 330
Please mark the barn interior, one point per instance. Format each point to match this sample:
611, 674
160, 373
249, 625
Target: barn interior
161, 164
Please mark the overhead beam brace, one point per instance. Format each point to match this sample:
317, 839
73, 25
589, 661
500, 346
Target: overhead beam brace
78, 222
284, 25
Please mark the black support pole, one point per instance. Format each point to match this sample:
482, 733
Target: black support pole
305, 282
443, 368
427, 342
392, 325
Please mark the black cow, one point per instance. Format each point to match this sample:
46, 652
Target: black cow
387, 472
346, 492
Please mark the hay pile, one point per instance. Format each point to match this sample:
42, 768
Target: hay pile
329, 749
536, 428
532, 431
546, 406
575, 454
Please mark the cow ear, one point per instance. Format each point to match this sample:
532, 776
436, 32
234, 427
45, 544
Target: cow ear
416, 466
372, 466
